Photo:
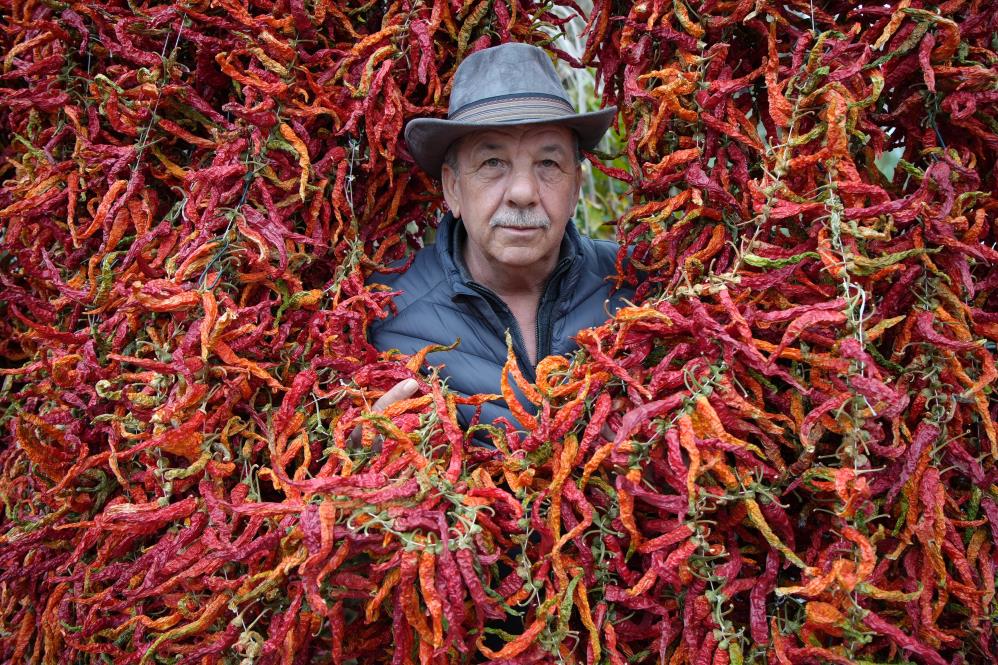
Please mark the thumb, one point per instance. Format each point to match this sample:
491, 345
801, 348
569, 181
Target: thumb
400, 391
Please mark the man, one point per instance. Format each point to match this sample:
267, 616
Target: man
507, 257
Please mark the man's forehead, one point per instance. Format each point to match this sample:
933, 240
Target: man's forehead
542, 136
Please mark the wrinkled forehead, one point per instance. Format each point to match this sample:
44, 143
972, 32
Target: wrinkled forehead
544, 138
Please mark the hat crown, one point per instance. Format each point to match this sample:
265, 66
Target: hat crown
507, 70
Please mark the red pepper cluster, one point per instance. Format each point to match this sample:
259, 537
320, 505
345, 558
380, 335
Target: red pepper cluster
803, 460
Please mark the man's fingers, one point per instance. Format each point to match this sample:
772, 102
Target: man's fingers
400, 391
607, 433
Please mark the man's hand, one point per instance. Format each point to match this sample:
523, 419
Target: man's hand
400, 391
607, 433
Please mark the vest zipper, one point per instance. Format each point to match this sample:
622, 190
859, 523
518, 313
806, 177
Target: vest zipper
544, 318
507, 319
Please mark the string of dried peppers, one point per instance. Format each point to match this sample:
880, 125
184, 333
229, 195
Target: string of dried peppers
802, 467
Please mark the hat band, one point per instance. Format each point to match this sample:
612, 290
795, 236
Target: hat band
513, 108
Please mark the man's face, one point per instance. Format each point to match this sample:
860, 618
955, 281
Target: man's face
515, 190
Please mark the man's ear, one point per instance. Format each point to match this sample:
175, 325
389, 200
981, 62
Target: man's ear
448, 178
578, 187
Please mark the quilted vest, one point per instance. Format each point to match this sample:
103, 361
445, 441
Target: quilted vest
439, 303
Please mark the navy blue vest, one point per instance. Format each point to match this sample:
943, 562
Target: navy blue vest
439, 303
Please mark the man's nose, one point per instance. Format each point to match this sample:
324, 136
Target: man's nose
522, 191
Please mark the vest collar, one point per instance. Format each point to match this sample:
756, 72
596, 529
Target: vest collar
451, 237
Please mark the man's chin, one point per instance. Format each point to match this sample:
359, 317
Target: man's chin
519, 258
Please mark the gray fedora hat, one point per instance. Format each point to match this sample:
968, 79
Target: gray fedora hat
510, 84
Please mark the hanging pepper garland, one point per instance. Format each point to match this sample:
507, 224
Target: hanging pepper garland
822, 485
802, 463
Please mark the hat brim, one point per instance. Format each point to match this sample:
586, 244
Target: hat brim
429, 138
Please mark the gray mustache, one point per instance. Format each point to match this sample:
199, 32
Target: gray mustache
520, 220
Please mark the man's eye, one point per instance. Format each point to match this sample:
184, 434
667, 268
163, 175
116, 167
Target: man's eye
492, 163
549, 164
